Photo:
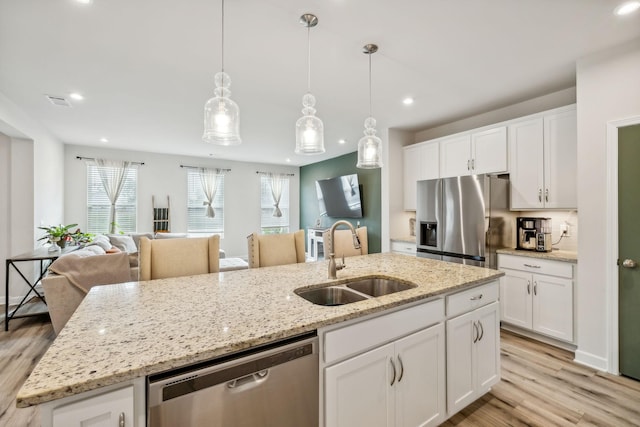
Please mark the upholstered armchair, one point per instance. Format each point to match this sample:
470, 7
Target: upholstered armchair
161, 259
275, 249
343, 245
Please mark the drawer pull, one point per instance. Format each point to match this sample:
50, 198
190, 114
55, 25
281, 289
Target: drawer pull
477, 297
532, 266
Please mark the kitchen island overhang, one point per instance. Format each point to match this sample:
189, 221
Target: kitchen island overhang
132, 330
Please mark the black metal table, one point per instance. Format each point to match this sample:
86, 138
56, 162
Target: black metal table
45, 257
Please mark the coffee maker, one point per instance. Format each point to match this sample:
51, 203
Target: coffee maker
534, 234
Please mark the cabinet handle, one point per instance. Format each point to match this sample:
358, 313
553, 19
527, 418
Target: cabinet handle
401, 368
393, 365
121, 420
477, 297
528, 287
535, 288
532, 266
468, 165
481, 330
475, 332
546, 195
473, 164
540, 195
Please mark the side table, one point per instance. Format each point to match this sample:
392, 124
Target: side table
46, 258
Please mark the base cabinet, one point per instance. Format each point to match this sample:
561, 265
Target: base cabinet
399, 384
473, 356
110, 409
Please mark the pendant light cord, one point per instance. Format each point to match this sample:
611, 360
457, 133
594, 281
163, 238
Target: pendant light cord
370, 103
308, 59
222, 41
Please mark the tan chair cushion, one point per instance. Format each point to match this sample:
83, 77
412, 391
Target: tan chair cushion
266, 250
343, 244
161, 259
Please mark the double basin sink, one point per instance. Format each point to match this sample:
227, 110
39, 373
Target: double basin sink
353, 291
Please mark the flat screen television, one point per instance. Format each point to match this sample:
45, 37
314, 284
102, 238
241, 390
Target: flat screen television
340, 197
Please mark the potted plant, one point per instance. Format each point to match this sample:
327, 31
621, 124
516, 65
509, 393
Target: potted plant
59, 234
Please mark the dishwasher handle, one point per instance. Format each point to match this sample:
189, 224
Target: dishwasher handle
248, 381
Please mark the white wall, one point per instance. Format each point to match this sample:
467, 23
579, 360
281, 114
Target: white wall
608, 89
161, 175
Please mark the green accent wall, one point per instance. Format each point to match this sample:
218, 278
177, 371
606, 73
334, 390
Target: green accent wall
370, 181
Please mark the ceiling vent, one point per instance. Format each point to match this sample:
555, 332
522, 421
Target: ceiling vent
59, 101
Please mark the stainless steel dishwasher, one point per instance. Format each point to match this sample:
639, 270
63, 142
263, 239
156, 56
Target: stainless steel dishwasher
270, 386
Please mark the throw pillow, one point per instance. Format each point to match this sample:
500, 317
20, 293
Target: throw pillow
124, 243
102, 241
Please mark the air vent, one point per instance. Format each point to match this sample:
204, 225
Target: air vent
59, 101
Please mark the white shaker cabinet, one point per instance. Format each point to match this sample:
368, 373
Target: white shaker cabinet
474, 153
537, 295
421, 161
543, 155
115, 408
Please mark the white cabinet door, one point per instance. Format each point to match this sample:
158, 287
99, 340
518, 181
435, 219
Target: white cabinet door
411, 176
515, 298
489, 151
526, 164
460, 370
553, 306
430, 160
560, 148
105, 410
455, 156
420, 387
358, 391
487, 348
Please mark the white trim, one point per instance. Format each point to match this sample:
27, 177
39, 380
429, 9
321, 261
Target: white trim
611, 247
590, 360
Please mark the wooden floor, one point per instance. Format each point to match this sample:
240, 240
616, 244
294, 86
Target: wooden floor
540, 386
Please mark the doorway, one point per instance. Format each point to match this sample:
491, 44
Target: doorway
629, 250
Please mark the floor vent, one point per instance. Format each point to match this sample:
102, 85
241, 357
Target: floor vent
59, 101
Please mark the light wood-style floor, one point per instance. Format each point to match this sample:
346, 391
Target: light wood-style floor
541, 385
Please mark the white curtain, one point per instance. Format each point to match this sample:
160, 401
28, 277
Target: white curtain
209, 181
277, 180
112, 175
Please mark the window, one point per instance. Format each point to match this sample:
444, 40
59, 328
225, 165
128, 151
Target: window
99, 206
197, 220
269, 223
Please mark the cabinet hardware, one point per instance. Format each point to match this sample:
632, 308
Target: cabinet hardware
532, 266
481, 330
546, 195
473, 164
393, 365
629, 263
477, 297
540, 195
535, 288
468, 165
475, 332
401, 368
528, 287
121, 420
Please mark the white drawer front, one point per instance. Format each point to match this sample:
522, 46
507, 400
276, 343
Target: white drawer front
404, 247
354, 339
472, 298
536, 265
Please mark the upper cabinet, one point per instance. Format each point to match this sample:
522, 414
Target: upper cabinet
474, 153
543, 153
421, 161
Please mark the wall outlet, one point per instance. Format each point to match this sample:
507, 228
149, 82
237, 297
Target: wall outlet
564, 229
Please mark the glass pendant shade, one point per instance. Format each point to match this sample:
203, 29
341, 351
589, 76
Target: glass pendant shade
369, 147
222, 115
309, 129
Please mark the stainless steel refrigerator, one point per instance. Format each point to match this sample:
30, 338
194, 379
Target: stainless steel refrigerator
464, 219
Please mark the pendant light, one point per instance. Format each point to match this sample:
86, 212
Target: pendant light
309, 128
221, 114
370, 146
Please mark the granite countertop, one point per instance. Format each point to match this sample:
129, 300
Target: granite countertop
554, 255
407, 239
130, 330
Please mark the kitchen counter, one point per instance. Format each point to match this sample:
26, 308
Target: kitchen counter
130, 330
404, 239
555, 255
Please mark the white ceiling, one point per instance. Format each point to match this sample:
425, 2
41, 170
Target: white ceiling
146, 67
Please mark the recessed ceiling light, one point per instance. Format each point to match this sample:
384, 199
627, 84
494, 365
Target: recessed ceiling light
84, 1
407, 101
76, 96
288, 160
342, 141
104, 140
627, 8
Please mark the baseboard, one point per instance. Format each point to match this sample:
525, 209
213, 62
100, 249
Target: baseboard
591, 360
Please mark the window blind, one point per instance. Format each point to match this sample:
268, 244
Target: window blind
99, 206
197, 221
270, 224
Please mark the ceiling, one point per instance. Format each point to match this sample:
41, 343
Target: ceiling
146, 67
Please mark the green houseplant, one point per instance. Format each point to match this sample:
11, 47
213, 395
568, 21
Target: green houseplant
59, 234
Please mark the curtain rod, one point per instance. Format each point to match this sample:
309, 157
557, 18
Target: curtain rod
202, 167
93, 158
269, 173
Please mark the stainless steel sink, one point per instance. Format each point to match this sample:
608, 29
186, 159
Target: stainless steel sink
353, 291
331, 295
376, 287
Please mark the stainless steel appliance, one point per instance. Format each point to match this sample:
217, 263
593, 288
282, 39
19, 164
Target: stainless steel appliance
273, 386
464, 219
534, 234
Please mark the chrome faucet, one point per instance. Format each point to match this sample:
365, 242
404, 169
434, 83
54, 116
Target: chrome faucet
332, 256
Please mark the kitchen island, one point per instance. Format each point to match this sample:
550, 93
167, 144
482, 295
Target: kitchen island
131, 330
